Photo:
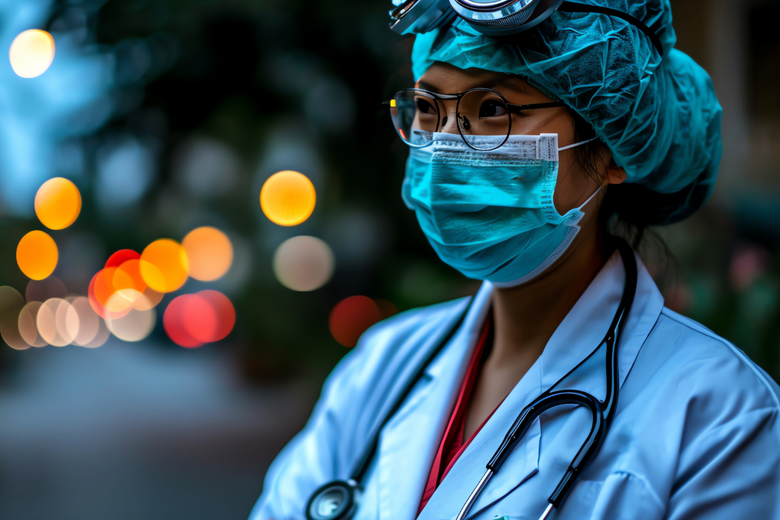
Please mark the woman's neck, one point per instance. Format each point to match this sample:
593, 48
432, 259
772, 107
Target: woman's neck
526, 316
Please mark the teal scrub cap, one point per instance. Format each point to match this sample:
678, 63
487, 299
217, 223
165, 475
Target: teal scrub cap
659, 116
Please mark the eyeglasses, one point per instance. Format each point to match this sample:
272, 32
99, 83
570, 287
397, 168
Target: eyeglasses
479, 111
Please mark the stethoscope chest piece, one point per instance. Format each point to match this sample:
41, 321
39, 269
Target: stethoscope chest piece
335, 500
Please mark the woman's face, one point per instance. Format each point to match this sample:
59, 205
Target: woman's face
574, 186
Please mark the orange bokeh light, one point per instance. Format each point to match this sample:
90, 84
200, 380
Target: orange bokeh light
100, 291
58, 203
128, 276
209, 253
164, 265
288, 198
37, 255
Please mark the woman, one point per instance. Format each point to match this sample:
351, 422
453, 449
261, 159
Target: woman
520, 198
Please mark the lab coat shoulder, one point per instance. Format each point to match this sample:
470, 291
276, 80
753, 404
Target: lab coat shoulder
709, 368
716, 415
352, 403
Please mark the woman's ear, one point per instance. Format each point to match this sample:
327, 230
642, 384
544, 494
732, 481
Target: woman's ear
615, 174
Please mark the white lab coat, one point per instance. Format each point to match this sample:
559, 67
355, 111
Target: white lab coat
696, 435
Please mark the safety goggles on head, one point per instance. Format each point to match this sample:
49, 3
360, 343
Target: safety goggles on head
496, 17
418, 113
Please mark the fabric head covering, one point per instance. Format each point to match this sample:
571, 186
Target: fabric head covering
659, 116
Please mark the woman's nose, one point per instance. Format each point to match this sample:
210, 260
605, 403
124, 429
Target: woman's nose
449, 123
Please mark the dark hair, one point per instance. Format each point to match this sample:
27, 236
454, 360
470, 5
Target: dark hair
625, 211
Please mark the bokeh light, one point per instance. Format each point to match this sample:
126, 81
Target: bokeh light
101, 337
128, 276
42, 290
192, 320
150, 300
351, 317
121, 257
115, 291
37, 255
89, 322
100, 290
32, 53
386, 308
303, 263
57, 322
224, 313
28, 327
11, 302
133, 326
120, 303
209, 253
164, 265
173, 322
288, 198
58, 203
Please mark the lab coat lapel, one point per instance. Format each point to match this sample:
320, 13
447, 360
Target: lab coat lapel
408, 443
588, 322
521, 464
577, 336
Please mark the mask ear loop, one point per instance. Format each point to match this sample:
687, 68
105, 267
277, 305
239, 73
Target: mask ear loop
576, 144
600, 188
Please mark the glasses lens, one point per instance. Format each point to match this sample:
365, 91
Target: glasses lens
482, 113
415, 117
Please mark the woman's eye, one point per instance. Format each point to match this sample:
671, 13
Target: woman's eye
424, 107
492, 108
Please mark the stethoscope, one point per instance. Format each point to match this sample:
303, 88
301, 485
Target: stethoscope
338, 500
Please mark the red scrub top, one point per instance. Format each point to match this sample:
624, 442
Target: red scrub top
452, 444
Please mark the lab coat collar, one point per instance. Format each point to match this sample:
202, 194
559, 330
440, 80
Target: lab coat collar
414, 434
408, 442
583, 329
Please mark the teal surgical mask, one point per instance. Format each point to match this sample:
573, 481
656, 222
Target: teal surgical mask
491, 215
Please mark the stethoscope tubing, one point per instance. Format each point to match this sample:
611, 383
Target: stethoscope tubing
602, 412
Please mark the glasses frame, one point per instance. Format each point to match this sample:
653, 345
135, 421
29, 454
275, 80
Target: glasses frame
511, 109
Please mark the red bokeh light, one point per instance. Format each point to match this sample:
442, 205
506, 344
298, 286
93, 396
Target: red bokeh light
351, 317
224, 311
192, 320
173, 322
122, 256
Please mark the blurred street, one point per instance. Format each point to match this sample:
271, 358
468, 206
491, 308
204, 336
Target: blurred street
131, 431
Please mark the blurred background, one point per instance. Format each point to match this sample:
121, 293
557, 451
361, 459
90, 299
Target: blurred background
201, 318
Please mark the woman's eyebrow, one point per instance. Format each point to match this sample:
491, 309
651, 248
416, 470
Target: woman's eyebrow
427, 86
511, 82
